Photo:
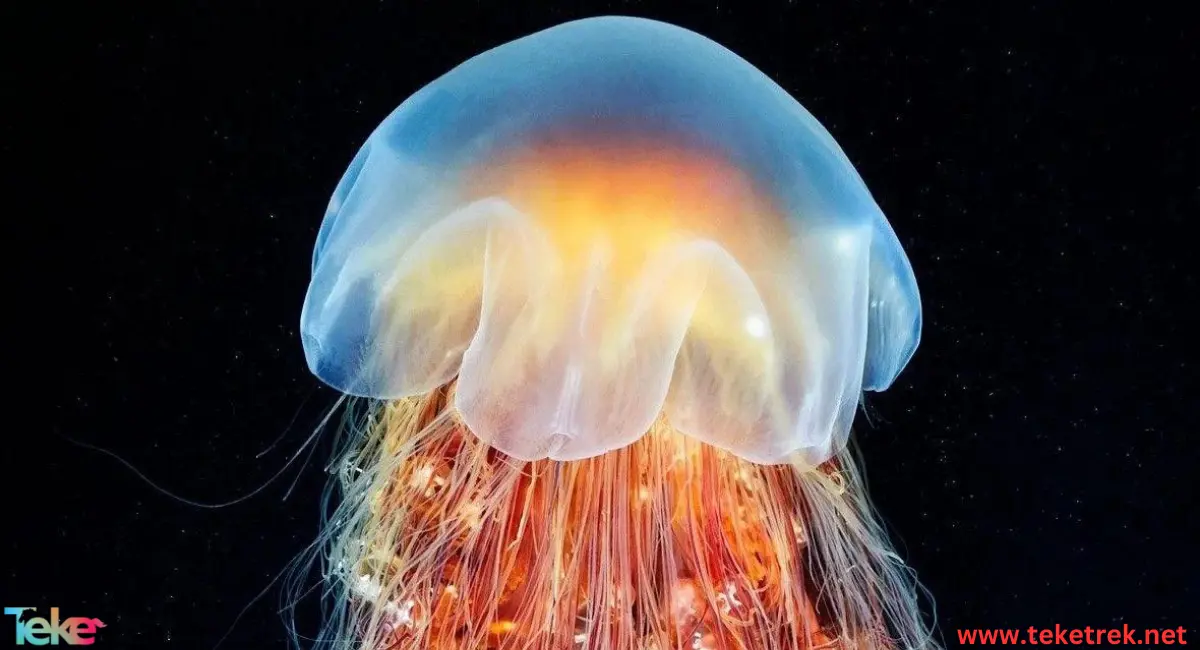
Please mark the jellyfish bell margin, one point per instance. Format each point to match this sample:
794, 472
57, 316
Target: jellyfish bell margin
612, 296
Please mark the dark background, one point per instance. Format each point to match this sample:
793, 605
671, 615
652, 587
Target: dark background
1037, 461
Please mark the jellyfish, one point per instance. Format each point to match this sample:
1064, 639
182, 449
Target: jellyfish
606, 299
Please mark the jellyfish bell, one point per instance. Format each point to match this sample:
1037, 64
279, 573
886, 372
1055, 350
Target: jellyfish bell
604, 221
612, 295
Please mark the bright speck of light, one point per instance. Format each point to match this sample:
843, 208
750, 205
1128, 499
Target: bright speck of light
756, 326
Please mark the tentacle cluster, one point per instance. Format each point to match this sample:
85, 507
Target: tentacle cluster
443, 543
